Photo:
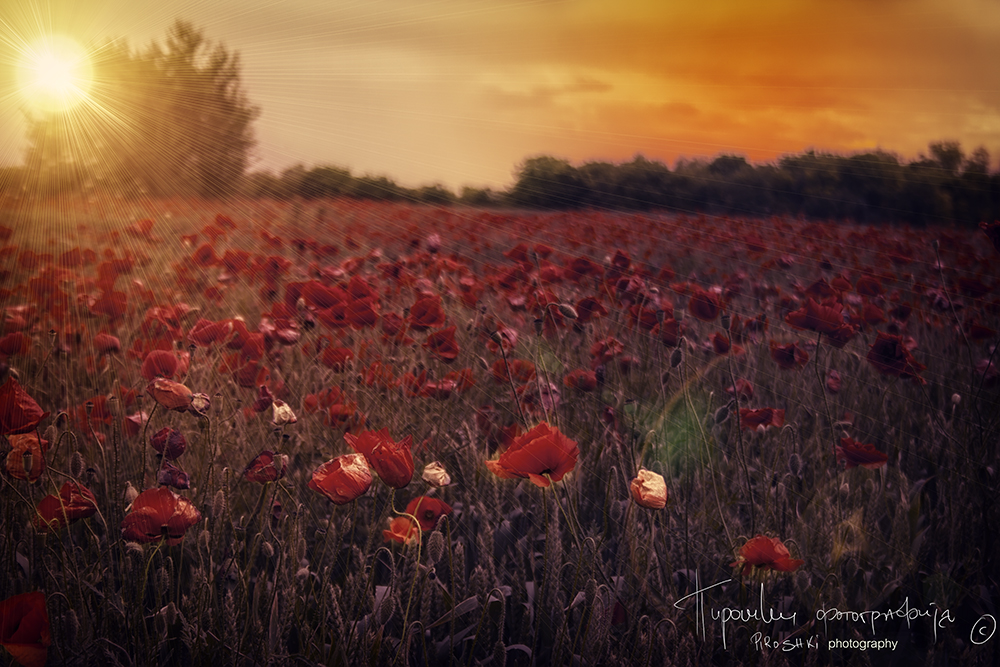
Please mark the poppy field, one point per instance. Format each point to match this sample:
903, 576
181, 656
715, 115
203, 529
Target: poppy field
346, 432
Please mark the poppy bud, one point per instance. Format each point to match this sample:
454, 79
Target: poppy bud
568, 311
131, 493
956, 399
435, 547
676, 357
722, 414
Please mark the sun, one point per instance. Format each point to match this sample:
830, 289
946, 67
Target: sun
55, 74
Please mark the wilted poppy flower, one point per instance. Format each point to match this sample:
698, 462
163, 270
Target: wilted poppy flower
26, 460
170, 474
391, 460
766, 553
543, 450
704, 305
761, 418
159, 513
266, 467
858, 454
169, 442
402, 530
342, 479
19, 413
428, 511
649, 489
282, 413
74, 501
436, 475
24, 628
171, 395
890, 356
789, 356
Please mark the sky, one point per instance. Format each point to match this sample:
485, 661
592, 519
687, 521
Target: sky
459, 92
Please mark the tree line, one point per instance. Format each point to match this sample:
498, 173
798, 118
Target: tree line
175, 119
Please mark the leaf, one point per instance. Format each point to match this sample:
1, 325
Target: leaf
464, 607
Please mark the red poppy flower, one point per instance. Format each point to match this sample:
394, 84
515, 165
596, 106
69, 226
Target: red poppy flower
26, 460
704, 305
604, 350
342, 479
392, 460
588, 308
858, 454
266, 467
814, 317
518, 369
107, 344
24, 628
868, 286
335, 358
169, 442
766, 553
669, 332
171, 395
789, 356
74, 502
206, 333
159, 363
428, 511
542, 450
159, 513
19, 413
442, 344
649, 490
720, 343
17, 342
581, 380
742, 387
426, 313
761, 418
402, 530
890, 356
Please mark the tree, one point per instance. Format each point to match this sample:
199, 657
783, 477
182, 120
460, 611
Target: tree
168, 120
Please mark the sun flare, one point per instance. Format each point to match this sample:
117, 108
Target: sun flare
55, 74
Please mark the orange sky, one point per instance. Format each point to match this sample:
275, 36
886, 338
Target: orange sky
460, 91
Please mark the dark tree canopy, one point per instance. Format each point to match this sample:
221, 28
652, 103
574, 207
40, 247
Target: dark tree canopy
173, 119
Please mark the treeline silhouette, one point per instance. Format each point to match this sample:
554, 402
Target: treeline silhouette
944, 187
